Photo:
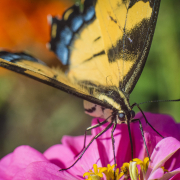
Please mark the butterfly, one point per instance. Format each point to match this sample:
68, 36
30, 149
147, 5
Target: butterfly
103, 49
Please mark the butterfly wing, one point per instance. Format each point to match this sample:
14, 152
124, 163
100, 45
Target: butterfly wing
81, 47
29, 66
127, 28
109, 46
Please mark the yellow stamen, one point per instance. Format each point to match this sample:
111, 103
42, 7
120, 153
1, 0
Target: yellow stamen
109, 172
165, 170
96, 175
125, 170
133, 171
143, 164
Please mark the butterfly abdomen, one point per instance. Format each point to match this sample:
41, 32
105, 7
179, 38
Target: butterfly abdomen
97, 110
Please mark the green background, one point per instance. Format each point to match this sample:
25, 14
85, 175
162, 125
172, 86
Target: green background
35, 114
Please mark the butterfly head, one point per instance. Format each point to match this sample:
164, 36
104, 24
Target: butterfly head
124, 116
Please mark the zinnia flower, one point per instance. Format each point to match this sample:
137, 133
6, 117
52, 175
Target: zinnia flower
98, 162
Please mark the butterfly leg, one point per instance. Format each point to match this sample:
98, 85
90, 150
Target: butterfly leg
113, 145
95, 137
142, 133
130, 137
93, 127
90, 128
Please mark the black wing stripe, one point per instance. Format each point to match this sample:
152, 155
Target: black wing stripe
95, 55
97, 39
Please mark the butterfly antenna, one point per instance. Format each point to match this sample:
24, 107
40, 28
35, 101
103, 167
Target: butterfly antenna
135, 104
155, 101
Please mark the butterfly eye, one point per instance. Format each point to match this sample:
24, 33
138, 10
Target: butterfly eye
132, 114
121, 116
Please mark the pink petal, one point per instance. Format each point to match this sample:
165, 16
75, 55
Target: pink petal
43, 171
65, 155
4, 163
75, 143
59, 155
176, 177
18, 160
151, 137
172, 174
157, 174
162, 152
173, 162
123, 146
90, 157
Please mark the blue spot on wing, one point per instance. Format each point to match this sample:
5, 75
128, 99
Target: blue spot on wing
89, 14
66, 35
62, 53
76, 23
10, 57
13, 57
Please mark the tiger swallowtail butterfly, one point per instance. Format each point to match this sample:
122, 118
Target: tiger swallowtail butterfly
104, 48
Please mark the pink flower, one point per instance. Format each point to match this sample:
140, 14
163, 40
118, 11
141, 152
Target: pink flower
27, 163
166, 154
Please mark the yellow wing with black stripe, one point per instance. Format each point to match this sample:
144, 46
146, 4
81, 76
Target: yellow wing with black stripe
104, 48
127, 28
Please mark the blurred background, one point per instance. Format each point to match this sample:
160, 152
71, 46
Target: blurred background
38, 115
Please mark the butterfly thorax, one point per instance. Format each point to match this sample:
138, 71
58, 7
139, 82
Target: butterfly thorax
121, 110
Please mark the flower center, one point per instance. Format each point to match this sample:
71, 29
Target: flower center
128, 170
